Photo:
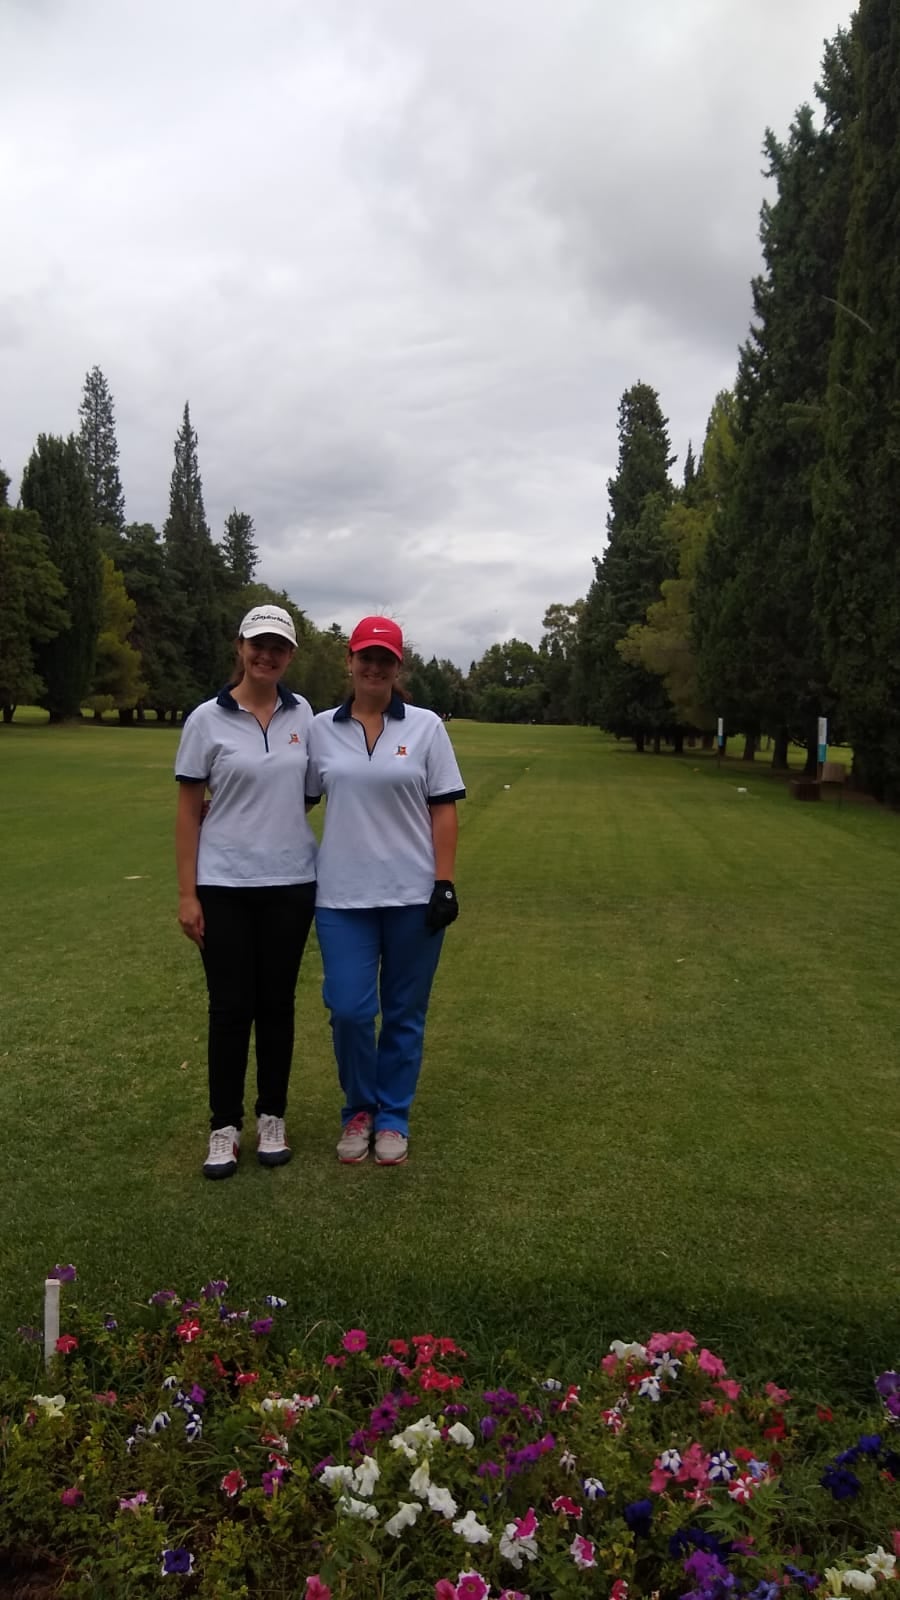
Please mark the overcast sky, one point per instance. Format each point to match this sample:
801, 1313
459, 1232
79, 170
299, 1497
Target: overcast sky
402, 257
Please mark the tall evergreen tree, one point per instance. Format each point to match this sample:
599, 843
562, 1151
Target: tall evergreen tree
117, 682
195, 568
4, 488
761, 659
156, 631
32, 605
620, 695
55, 485
100, 449
858, 487
238, 547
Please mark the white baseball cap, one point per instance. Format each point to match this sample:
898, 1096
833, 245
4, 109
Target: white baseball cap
269, 619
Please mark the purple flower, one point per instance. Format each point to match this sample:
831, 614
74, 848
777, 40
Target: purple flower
869, 1444
765, 1591
190, 1305
196, 1395
383, 1417
638, 1516
456, 1411
164, 1297
843, 1485
358, 1441
888, 1383
174, 1561
327, 1461
808, 1579
487, 1427
215, 1289
261, 1326
30, 1335
110, 1324
63, 1274
489, 1469
501, 1401
271, 1481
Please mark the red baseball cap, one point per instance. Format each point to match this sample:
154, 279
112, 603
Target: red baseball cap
377, 631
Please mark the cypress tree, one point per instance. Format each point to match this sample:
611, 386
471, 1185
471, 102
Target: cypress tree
238, 548
858, 486
55, 485
196, 573
100, 449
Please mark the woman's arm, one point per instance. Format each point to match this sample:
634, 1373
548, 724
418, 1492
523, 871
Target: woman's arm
444, 833
187, 840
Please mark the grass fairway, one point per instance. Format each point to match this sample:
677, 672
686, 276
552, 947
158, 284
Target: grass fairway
660, 1085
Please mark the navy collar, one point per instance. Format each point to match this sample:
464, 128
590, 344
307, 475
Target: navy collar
396, 709
226, 699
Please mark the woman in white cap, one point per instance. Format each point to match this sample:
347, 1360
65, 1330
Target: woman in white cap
246, 879
385, 885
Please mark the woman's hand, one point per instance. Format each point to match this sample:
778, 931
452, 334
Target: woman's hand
190, 916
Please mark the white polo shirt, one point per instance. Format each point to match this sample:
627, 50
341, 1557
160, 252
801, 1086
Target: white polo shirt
377, 848
255, 834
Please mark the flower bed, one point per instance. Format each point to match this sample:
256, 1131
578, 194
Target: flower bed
191, 1454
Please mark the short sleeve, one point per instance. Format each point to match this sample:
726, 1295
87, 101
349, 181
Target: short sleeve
442, 775
194, 757
313, 783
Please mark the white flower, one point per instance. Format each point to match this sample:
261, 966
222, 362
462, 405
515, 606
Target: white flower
567, 1461
594, 1489
460, 1434
341, 1475
470, 1529
160, 1421
880, 1562
623, 1351
514, 1548
442, 1500
356, 1508
422, 1432
51, 1403
863, 1581
366, 1476
420, 1481
552, 1384
666, 1365
649, 1386
403, 1517
398, 1443
670, 1460
171, 1382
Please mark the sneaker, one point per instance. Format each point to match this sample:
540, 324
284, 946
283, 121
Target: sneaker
222, 1156
272, 1148
353, 1145
391, 1147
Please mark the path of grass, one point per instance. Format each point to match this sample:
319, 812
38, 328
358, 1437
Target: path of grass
661, 1081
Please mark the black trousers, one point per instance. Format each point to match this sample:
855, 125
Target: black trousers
252, 946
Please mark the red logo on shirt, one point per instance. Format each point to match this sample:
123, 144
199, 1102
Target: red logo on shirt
294, 739
401, 750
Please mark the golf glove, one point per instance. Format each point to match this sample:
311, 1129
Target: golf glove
443, 907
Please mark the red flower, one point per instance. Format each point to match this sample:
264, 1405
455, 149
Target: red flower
220, 1366
233, 1482
399, 1347
824, 1414
66, 1343
189, 1330
777, 1429
71, 1497
243, 1378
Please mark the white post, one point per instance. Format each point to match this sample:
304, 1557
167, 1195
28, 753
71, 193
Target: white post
51, 1318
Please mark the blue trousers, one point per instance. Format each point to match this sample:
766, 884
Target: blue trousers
381, 959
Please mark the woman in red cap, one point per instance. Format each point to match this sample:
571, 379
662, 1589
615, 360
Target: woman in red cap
385, 885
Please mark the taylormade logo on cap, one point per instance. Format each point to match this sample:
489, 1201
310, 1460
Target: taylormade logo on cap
269, 619
381, 631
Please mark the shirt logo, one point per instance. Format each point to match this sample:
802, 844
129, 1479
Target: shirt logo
294, 739
401, 750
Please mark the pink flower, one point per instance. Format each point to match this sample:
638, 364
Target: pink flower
527, 1526
707, 1408
471, 1586
895, 1536
677, 1344
188, 1330
711, 1364
233, 1482
566, 1506
66, 1343
610, 1362
335, 1361
694, 1466
316, 1589
512, 1594
354, 1341
730, 1387
582, 1552
779, 1397
108, 1397
71, 1497
613, 1419
444, 1590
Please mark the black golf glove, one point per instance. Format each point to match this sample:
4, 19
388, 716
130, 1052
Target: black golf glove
442, 908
